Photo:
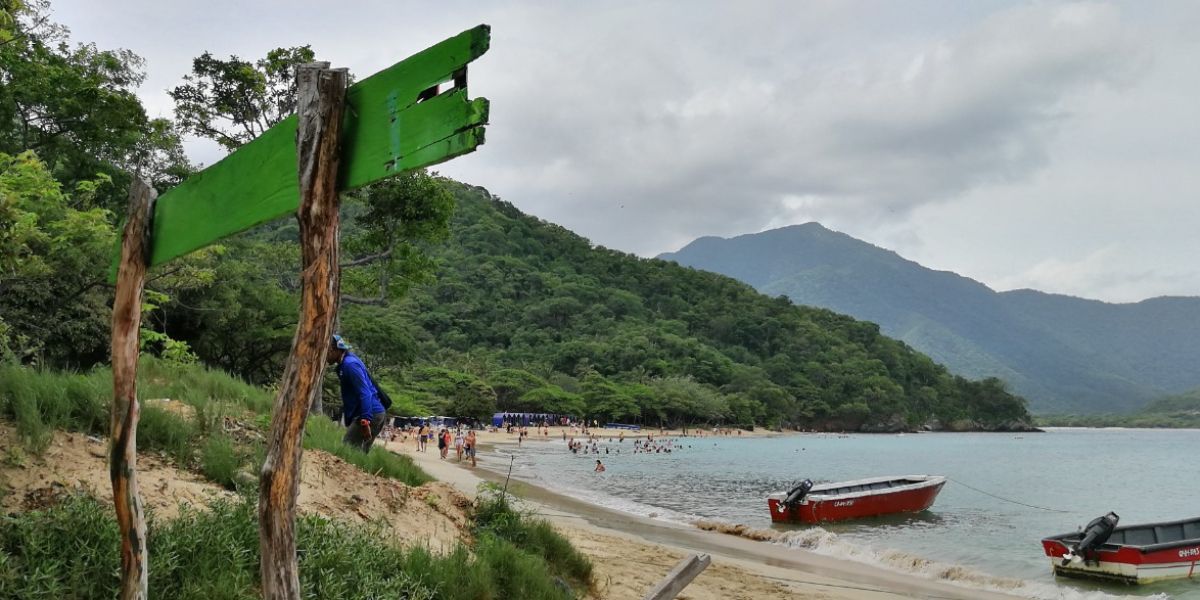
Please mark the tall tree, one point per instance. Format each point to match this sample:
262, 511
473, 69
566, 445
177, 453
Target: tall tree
77, 108
54, 260
232, 101
402, 217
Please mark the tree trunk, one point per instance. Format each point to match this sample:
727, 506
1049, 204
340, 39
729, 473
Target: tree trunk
126, 323
321, 94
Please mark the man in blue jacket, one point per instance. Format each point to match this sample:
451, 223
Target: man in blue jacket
362, 412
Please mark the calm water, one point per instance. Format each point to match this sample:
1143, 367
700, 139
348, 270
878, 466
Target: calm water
1142, 475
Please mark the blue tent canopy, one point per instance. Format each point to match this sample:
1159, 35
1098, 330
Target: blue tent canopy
524, 419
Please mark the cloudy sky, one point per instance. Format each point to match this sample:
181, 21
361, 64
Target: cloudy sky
1046, 145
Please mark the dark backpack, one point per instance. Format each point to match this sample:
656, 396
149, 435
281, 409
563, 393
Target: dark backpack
384, 398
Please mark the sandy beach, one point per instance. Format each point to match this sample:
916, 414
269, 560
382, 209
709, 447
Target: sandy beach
632, 553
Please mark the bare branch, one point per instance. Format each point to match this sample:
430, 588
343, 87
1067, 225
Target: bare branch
368, 259
380, 301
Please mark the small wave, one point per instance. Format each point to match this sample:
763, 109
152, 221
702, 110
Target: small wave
525, 473
820, 541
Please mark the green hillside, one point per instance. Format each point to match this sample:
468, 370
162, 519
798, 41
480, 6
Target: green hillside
1181, 404
549, 322
1065, 354
1176, 411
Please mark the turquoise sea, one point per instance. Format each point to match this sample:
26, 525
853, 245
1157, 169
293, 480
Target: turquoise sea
967, 537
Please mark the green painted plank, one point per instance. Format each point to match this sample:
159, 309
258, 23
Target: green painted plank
384, 142
256, 184
387, 109
388, 130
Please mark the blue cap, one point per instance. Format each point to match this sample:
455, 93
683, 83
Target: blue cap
340, 343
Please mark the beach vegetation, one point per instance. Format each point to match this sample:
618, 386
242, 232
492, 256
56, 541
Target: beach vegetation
495, 516
40, 401
321, 433
71, 550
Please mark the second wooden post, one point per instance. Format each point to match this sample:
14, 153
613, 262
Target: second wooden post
321, 94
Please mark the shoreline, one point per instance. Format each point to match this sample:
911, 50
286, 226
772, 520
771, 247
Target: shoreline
632, 552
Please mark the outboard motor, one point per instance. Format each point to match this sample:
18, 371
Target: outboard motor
796, 495
1094, 535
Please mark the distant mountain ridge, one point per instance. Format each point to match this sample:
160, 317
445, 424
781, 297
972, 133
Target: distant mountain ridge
1065, 354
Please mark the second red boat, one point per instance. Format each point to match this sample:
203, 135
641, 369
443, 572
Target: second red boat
809, 503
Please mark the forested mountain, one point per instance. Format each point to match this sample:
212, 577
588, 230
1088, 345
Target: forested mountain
461, 304
1064, 354
1175, 411
549, 322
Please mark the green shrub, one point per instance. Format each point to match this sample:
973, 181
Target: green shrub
322, 433
210, 416
220, 460
160, 429
520, 572
495, 517
70, 551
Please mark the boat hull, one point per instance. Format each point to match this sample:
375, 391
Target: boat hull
1128, 564
819, 508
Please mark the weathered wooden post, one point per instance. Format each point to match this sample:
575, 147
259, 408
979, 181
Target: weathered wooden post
321, 96
413, 114
126, 323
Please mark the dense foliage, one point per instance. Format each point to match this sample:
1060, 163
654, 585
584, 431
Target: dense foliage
1064, 354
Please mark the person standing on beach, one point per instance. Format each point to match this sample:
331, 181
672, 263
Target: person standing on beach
470, 446
458, 444
362, 411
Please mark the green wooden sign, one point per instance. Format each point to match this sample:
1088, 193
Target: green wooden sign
411, 115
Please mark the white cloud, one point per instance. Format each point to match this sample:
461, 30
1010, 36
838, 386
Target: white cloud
1002, 140
717, 144
1105, 272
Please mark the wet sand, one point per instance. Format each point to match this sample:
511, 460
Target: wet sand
632, 553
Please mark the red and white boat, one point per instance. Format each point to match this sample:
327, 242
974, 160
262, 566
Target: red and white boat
1132, 554
809, 503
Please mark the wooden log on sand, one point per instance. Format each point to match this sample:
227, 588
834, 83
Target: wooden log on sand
679, 577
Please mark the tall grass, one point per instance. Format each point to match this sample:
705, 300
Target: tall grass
72, 551
160, 429
321, 433
221, 459
198, 385
39, 402
495, 517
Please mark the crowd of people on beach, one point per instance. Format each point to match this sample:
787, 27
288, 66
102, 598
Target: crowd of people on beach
461, 439
580, 437
647, 444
